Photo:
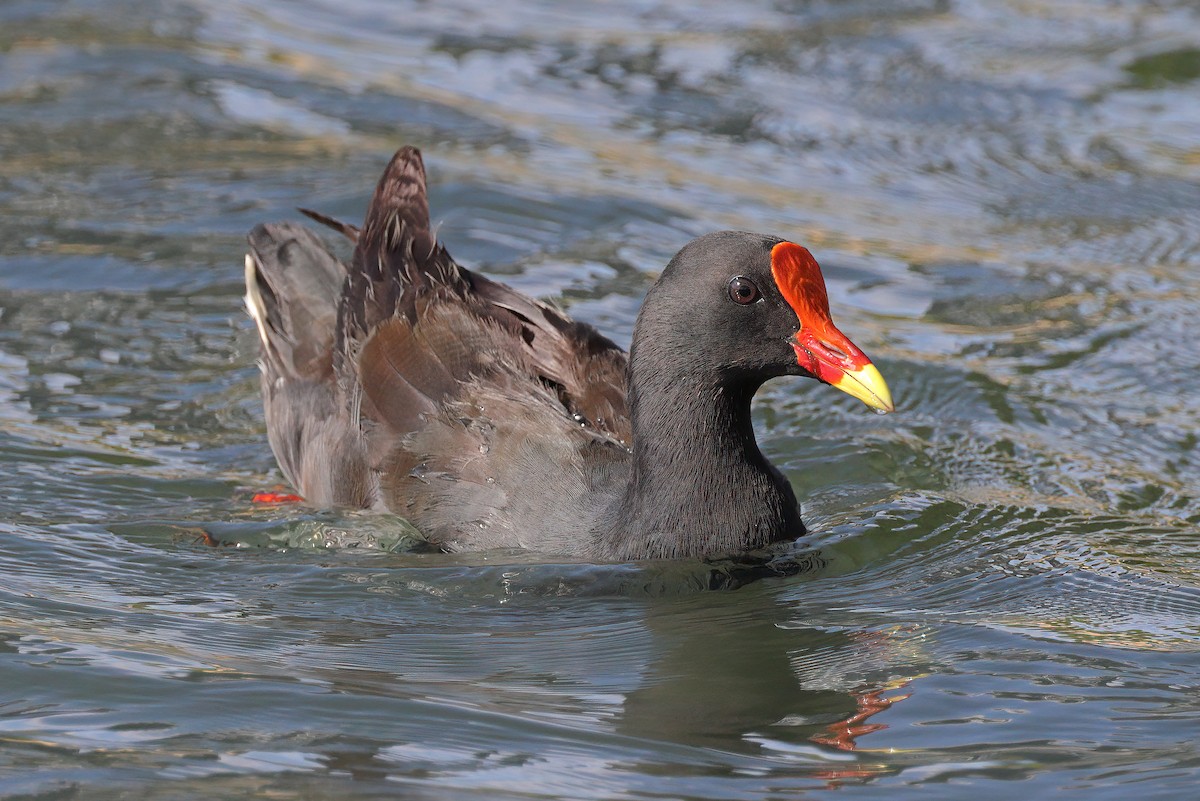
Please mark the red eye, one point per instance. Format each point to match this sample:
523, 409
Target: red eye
743, 291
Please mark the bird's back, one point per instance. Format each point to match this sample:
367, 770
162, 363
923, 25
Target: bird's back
406, 382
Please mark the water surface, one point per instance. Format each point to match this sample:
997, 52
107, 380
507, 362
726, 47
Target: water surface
1001, 596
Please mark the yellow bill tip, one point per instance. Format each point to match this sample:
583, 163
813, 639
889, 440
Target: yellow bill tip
868, 386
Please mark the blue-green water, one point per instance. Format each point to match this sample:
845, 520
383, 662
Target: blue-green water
1006, 201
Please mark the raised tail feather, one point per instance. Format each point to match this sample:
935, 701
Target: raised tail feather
397, 262
399, 210
292, 286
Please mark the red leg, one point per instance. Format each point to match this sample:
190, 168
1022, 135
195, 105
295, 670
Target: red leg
275, 497
842, 735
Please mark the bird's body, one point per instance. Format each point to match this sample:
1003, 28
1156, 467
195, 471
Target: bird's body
406, 383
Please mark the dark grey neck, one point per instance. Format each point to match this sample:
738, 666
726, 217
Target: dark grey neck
699, 485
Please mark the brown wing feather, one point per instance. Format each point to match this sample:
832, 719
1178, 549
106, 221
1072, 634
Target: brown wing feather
407, 369
586, 367
345, 229
397, 341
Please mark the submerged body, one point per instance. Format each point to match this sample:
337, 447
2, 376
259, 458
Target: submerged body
407, 383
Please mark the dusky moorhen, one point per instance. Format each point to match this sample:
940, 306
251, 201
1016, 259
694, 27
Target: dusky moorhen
404, 382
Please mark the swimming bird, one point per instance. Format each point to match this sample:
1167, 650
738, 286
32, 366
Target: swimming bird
407, 383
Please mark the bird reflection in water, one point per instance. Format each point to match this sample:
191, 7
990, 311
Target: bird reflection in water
722, 672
